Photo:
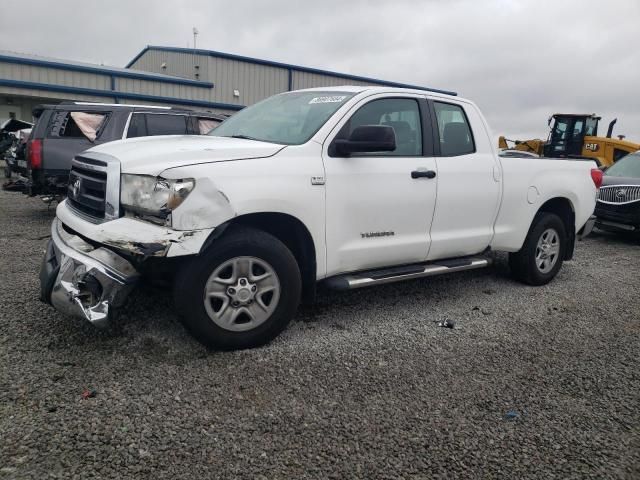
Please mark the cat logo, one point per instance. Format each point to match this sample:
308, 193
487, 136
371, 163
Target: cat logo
592, 147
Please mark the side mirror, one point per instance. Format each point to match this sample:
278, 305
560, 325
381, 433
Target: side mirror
367, 139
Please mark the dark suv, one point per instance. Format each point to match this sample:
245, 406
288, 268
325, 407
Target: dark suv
62, 131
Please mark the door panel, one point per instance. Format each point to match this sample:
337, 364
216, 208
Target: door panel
377, 214
469, 184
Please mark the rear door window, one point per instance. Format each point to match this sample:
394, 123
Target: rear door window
164, 124
87, 125
455, 133
137, 126
150, 124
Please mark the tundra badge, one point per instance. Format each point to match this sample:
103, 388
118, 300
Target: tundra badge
377, 234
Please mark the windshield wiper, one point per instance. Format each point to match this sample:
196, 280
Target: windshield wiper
246, 137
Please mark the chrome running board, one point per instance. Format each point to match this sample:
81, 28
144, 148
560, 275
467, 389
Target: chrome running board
368, 278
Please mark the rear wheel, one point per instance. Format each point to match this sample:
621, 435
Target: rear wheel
543, 252
241, 293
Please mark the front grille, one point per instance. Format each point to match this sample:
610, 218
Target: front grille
88, 186
617, 194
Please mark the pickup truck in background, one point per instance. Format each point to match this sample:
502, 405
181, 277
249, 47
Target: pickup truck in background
350, 186
64, 130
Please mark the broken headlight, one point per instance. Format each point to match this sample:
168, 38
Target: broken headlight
153, 195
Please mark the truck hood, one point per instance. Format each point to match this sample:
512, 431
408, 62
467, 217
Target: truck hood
153, 155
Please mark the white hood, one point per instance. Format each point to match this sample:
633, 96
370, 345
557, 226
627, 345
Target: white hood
153, 155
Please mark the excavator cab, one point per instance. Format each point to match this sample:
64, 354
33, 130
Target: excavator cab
566, 137
574, 136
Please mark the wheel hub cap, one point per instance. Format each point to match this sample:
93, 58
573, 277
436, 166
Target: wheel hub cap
241, 293
547, 250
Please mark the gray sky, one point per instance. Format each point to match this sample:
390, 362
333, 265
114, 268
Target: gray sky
519, 61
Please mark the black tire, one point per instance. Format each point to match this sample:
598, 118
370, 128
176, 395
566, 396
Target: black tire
191, 280
524, 267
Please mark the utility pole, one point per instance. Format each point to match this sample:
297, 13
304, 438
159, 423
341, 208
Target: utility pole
196, 67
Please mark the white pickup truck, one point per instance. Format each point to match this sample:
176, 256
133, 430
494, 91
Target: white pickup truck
350, 186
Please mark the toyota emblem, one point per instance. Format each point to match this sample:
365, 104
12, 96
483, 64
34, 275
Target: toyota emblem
75, 188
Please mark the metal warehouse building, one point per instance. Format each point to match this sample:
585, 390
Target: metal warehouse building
193, 78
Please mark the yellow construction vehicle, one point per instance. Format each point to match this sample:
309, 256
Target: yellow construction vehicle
575, 135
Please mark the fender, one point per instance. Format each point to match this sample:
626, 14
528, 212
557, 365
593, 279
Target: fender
279, 184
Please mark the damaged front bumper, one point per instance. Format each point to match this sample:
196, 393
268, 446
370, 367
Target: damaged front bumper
81, 280
135, 237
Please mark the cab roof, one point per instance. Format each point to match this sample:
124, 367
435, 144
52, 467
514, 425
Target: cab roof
591, 115
356, 89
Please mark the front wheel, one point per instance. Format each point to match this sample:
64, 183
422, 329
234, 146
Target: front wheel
540, 258
241, 293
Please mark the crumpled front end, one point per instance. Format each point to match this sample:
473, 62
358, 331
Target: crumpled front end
84, 281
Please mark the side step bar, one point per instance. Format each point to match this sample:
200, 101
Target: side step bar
368, 278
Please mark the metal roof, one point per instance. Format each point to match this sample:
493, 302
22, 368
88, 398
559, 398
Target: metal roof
38, 61
269, 63
117, 94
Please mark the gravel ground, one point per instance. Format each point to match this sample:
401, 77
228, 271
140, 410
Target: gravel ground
532, 383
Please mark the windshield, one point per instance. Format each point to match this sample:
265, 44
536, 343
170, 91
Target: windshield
628, 166
559, 129
289, 119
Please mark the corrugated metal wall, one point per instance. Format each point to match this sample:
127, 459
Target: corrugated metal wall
312, 80
176, 64
62, 77
254, 81
161, 89
30, 73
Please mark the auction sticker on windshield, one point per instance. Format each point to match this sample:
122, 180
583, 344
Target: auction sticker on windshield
331, 99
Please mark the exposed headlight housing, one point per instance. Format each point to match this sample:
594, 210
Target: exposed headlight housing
154, 196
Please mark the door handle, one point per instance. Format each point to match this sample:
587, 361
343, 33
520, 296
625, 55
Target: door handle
423, 173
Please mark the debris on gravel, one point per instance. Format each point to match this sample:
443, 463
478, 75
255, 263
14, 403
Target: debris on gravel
539, 383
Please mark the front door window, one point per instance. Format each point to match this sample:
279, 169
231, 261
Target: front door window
402, 114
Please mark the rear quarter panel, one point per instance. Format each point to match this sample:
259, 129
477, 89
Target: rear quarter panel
530, 182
